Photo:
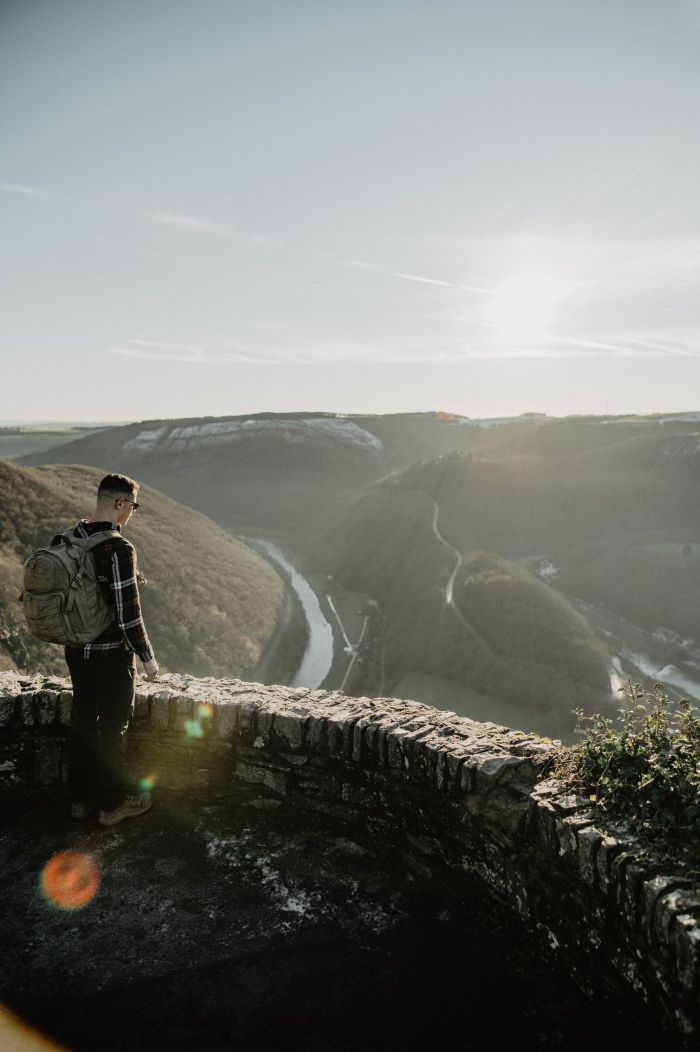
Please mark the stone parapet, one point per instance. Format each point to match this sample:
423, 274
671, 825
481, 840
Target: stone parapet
469, 796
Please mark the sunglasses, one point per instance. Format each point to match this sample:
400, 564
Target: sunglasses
134, 503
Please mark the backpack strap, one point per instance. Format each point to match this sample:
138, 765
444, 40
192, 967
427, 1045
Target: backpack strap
88, 543
84, 545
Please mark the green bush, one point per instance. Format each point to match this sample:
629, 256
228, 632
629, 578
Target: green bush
646, 771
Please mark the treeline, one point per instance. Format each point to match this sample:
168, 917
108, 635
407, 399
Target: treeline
531, 506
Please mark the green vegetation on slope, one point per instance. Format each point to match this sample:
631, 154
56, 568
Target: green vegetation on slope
519, 615
649, 584
211, 604
539, 653
647, 771
523, 506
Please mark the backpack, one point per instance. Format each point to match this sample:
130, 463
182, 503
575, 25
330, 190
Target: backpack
63, 600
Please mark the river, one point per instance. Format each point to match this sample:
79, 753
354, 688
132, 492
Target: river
318, 656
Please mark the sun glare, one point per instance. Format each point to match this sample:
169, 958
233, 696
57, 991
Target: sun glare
522, 308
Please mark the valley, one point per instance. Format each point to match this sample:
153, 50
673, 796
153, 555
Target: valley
405, 543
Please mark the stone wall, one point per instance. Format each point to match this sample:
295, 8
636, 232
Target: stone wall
459, 794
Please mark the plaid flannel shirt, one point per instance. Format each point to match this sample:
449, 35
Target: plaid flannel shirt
115, 563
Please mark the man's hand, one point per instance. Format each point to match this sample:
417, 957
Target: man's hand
150, 670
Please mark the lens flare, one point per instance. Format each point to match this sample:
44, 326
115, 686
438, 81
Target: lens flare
70, 880
147, 782
205, 710
193, 729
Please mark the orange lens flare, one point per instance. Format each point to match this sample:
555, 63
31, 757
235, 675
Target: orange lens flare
70, 880
147, 782
205, 710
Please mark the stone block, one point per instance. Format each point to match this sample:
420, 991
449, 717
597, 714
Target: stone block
265, 719
248, 705
425, 751
610, 848
589, 841
142, 709
291, 728
181, 710
685, 940
496, 768
569, 803
567, 830
358, 739
455, 759
255, 774
387, 727
467, 775
65, 707
339, 728
27, 710
10, 685
226, 720
317, 732
160, 710
45, 708
7, 710
546, 828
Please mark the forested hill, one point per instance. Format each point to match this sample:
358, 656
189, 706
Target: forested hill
211, 604
522, 505
519, 652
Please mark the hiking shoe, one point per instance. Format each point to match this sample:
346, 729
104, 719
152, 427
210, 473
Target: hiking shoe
82, 808
132, 806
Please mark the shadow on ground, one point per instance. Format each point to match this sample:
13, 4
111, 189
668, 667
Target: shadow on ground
238, 922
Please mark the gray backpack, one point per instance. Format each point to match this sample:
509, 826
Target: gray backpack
63, 601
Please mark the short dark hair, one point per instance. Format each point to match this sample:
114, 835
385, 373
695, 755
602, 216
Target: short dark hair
117, 484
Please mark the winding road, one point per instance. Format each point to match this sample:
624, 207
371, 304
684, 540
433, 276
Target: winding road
449, 590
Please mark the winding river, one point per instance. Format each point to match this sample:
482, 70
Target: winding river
318, 656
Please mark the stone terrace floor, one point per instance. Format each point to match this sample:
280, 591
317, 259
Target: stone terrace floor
238, 922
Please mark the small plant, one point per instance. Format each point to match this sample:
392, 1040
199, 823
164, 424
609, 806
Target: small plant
646, 771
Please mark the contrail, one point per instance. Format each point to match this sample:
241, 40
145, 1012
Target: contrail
378, 268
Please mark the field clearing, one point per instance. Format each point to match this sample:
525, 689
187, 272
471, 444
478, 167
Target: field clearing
671, 552
22, 441
449, 695
352, 608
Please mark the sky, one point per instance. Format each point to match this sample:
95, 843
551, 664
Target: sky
233, 206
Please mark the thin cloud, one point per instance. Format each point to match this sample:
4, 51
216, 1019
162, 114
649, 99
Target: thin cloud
26, 191
185, 222
628, 345
205, 226
378, 268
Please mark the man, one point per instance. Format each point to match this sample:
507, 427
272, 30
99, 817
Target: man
103, 671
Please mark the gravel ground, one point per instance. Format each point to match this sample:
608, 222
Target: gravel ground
238, 922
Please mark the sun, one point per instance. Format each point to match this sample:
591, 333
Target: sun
523, 305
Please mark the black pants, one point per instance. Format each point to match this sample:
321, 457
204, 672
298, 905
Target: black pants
103, 703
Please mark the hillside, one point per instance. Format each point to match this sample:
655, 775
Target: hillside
211, 604
522, 505
284, 474
256, 474
524, 647
607, 503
